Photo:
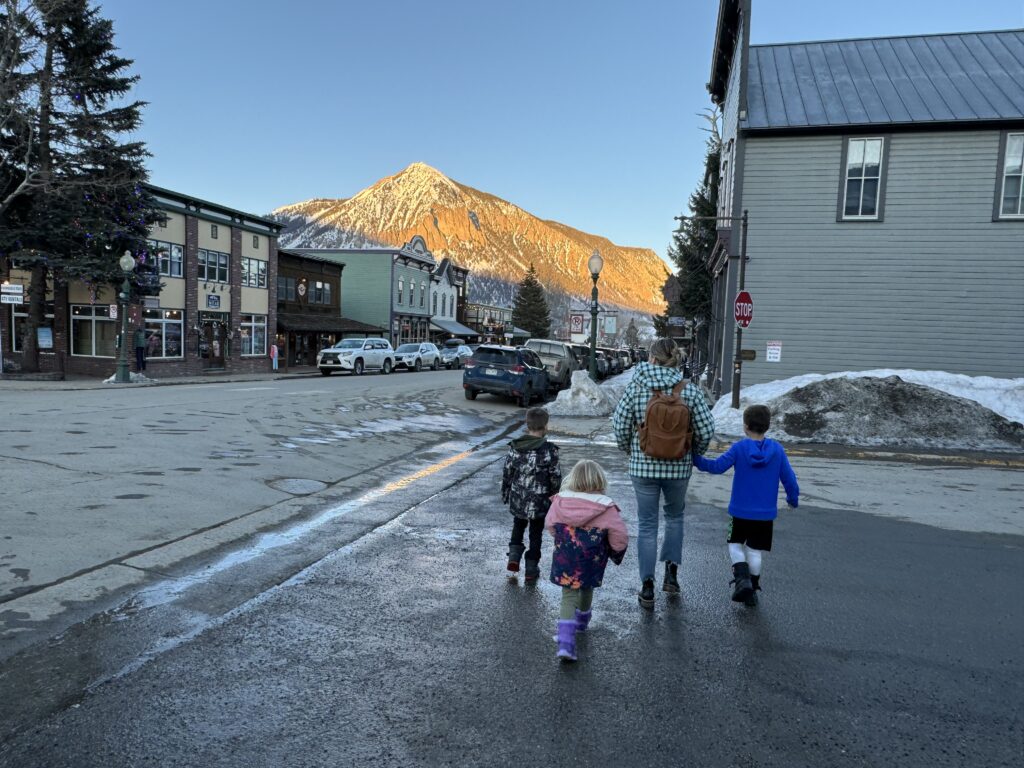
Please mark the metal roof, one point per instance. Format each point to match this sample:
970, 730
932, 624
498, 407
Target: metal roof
976, 76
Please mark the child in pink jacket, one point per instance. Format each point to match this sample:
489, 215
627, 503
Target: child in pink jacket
588, 530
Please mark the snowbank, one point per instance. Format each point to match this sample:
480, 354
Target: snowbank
586, 398
136, 378
877, 408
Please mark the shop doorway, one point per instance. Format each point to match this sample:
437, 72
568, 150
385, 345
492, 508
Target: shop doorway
213, 339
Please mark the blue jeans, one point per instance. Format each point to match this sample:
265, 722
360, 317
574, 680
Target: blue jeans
649, 491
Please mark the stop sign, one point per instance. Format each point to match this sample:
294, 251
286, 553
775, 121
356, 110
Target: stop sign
743, 309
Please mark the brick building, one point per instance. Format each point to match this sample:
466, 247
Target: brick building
216, 310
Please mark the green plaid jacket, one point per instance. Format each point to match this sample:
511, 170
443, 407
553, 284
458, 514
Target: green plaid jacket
629, 413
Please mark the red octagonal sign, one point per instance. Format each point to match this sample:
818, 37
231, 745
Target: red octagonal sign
743, 309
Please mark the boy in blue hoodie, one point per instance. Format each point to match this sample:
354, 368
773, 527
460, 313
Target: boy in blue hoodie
760, 464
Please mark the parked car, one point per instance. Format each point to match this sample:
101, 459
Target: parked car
626, 358
515, 372
417, 356
453, 357
559, 361
356, 356
614, 362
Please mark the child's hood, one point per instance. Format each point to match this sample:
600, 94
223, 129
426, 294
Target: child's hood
577, 509
761, 452
526, 443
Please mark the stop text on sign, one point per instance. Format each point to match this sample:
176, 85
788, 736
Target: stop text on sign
743, 309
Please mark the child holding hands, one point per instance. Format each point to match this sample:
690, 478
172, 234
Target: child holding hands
588, 531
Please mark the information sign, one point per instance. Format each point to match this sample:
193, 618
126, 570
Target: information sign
774, 354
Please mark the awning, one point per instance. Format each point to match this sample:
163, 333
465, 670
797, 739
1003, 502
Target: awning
517, 331
297, 321
452, 327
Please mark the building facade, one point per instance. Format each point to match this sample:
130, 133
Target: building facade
215, 310
882, 181
448, 287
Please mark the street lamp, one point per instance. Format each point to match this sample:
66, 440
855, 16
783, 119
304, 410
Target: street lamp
594, 264
737, 363
127, 264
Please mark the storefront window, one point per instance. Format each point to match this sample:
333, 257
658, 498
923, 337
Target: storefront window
19, 319
254, 335
164, 331
93, 332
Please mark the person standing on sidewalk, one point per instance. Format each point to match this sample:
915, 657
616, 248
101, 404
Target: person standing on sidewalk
653, 478
140, 349
530, 477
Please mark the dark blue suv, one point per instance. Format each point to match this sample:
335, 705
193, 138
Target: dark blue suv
515, 372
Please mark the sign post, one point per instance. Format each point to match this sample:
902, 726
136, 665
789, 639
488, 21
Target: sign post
743, 312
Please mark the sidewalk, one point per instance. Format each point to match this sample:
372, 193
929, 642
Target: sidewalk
75, 382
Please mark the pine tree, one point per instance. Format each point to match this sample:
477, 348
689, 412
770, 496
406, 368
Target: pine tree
530, 309
632, 333
86, 204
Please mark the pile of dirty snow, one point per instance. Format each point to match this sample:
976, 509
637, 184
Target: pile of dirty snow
136, 378
586, 398
888, 407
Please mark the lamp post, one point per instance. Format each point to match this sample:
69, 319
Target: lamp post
127, 264
595, 263
737, 363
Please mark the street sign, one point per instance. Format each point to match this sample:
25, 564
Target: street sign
576, 323
774, 351
677, 321
748, 354
743, 309
12, 298
113, 312
17, 288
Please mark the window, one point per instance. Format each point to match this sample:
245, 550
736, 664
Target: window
19, 317
254, 335
862, 192
444, 306
401, 289
163, 332
213, 231
254, 273
213, 266
169, 256
162, 223
1011, 202
255, 241
423, 294
434, 311
412, 291
285, 288
327, 293
92, 331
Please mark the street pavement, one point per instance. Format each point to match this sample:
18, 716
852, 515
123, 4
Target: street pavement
384, 632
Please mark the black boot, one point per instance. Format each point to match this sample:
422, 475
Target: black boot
532, 569
671, 584
515, 554
742, 588
646, 595
755, 585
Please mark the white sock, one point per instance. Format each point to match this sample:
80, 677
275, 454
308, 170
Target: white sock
753, 558
736, 553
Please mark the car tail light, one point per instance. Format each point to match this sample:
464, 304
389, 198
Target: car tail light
469, 362
518, 369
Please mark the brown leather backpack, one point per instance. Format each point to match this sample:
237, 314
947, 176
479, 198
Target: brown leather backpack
666, 432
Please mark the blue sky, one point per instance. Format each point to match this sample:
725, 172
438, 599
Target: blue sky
583, 112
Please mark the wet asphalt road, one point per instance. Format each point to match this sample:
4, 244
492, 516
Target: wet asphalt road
878, 643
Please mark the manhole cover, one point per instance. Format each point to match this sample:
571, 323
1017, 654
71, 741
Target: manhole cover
297, 486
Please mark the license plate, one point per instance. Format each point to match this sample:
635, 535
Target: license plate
490, 371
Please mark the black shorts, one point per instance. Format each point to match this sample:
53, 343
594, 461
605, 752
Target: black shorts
756, 534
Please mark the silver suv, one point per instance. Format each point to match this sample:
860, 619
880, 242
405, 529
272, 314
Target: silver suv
558, 358
356, 356
418, 355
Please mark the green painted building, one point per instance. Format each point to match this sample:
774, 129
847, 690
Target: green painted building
386, 287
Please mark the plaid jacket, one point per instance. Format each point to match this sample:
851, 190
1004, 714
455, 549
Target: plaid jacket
630, 411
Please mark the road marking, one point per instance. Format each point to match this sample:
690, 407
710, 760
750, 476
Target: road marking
249, 389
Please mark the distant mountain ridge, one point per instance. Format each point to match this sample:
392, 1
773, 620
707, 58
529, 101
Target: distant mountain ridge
495, 239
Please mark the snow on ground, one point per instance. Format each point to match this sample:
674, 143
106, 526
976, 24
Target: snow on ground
586, 398
136, 378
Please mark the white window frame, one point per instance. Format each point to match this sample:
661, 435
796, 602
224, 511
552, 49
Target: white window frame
219, 264
163, 321
254, 272
1004, 156
94, 320
168, 255
248, 327
401, 288
845, 178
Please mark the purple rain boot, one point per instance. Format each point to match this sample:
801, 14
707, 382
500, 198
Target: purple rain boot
567, 640
583, 619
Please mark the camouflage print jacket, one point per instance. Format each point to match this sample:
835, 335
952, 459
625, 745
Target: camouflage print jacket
531, 476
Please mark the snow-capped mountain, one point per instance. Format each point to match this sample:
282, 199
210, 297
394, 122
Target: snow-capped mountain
495, 239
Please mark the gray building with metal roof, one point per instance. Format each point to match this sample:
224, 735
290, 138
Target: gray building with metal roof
883, 184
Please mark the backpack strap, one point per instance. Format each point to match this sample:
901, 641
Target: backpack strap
678, 388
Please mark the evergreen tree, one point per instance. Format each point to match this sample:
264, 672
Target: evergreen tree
632, 333
85, 204
530, 310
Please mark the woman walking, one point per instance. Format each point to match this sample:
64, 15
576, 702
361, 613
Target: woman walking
655, 477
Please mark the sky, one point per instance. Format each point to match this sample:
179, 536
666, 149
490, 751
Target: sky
587, 113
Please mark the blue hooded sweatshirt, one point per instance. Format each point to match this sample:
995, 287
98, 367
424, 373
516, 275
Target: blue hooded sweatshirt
760, 465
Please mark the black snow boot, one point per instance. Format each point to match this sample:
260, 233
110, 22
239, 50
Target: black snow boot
532, 569
646, 595
671, 584
515, 554
742, 588
755, 585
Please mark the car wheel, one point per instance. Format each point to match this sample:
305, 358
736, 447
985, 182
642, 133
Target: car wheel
357, 369
387, 367
470, 394
434, 366
325, 372
419, 365
525, 398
